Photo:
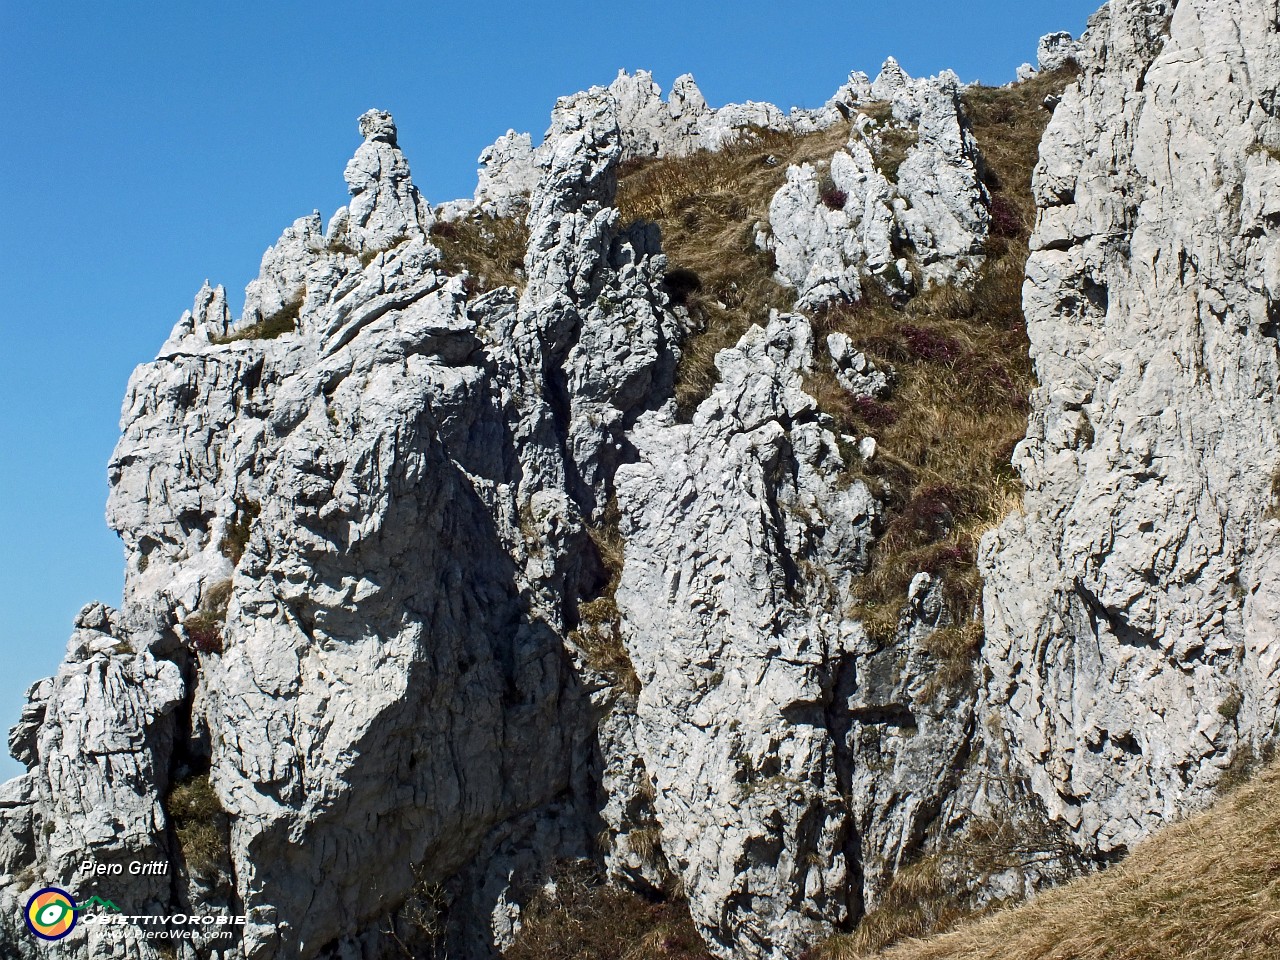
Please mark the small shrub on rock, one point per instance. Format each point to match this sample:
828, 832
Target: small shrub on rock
873, 413
930, 345
204, 627
277, 325
832, 197
489, 249
1005, 221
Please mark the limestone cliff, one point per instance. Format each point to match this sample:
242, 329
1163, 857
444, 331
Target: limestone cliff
1131, 607
433, 588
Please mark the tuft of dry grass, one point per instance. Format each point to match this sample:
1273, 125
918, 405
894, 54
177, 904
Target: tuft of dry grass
286, 321
1009, 123
200, 824
955, 649
646, 843
599, 631
1204, 889
581, 918
707, 205
490, 249
893, 145
204, 627
236, 536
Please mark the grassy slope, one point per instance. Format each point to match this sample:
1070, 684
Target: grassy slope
1204, 889
946, 434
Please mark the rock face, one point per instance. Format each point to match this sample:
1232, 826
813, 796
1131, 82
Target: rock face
734, 636
390, 500
1056, 49
372, 616
508, 175
99, 739
1131, 609
829, 229
824, 236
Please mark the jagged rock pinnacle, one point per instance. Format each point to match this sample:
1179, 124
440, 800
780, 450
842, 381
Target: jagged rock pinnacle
378, 125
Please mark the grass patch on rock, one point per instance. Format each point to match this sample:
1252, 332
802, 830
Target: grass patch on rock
578, 917
236, 536
204, 627
200, 824
707, 206
599, 631
946, 434
277, 325
490, 249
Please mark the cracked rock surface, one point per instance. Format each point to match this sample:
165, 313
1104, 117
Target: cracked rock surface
1132, 607
830, 230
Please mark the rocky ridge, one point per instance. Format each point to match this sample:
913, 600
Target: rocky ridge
829, 231
370, 604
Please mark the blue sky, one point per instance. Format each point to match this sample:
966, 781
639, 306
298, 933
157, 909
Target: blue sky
148, 146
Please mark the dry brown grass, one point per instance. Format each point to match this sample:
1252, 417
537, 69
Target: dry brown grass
583, 919
490, 249
938, 892
954, 648
204, 627
236, 536
599, 631
201, 826
920, 900
1204, 889
707, 205
286, 321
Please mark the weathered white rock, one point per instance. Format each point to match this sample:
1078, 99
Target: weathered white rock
829, 230
734, 634
855, 372
98, 738
281, 282
395, 703
819, 249
945, 215
1056, 50
650, 127
596, 290
402, 721
508, 175
385, 207
1132, 608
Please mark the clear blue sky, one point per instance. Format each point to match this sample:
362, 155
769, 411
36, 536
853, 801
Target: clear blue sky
147, 146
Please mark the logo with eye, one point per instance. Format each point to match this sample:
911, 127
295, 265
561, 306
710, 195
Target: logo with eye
51, 913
